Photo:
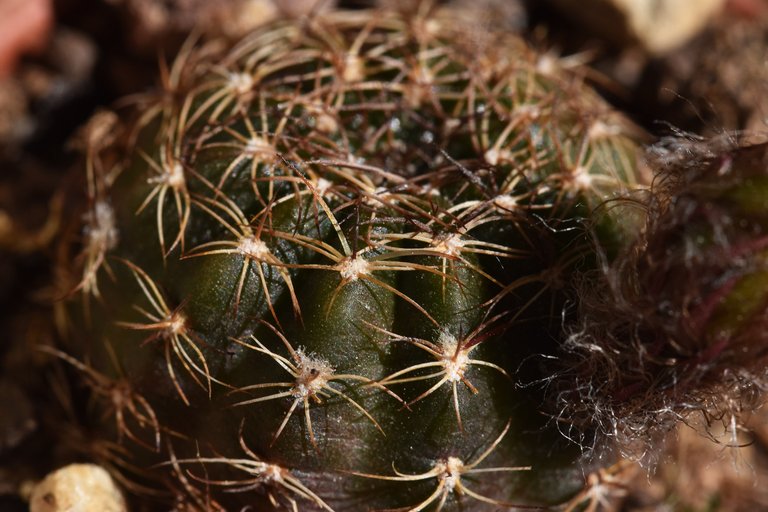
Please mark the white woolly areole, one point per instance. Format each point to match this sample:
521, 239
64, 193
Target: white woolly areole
505, 202
491, 156
354, 71
101, 230
177, 323
379, 196
581, 178
450, 473
272, 473
423, 75
600, 130
454, 361
496, 156
531, 111
176, 176
432, 26
241, 83
324, 121
313, 374
352, 268
252, 247
256, 145
323, 185
450, 245
547, 64
173, 176
419, 88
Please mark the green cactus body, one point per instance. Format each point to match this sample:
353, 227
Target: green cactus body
308, 265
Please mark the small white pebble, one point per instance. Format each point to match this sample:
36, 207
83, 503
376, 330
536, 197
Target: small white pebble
77, 488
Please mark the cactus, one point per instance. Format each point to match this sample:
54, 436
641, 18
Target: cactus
311, 267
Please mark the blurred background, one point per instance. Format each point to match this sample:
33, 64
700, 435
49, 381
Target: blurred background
673, 66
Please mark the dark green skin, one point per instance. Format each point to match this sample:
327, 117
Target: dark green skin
499, 304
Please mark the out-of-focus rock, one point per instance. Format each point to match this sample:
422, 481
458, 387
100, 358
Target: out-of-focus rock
480, 14
77, 487
299, 8
72, 53
496, 14
24, 27
152, 22
235, 18
33, 99
657, 25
